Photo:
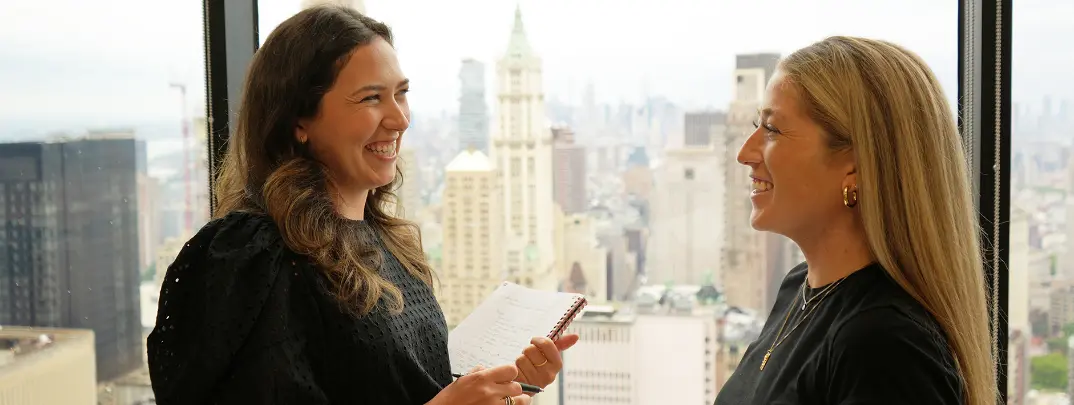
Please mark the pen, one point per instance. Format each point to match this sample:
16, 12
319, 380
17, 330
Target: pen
532, 389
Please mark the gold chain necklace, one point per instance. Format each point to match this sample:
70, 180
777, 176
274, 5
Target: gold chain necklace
806, 302
775, 343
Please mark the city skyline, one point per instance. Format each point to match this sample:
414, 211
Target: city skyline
110, 78
121, 76
647, 214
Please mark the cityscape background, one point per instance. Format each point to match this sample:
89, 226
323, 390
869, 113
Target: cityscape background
584, 147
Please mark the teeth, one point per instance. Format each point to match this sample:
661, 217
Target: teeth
387, 150
761, 185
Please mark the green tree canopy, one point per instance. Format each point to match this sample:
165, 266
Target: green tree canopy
1049, 372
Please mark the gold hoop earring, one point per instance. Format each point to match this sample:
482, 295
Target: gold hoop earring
850, 196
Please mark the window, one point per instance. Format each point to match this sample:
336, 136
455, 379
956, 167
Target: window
593, 87
1040, 317
103, 178
104, 139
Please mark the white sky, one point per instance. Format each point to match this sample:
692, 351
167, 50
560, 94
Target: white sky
108, 62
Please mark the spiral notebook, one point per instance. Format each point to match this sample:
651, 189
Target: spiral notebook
496, 331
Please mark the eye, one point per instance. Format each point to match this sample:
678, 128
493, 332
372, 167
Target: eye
755, 123
374, 97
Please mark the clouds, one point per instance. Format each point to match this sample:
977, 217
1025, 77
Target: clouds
110, 61
107, 61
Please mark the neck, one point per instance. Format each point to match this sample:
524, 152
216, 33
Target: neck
835, 252
349, 201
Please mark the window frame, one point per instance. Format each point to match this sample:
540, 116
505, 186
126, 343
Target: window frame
231, 37
984, 77
984, 88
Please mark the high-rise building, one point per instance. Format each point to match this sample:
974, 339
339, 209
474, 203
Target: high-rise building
626, 358
472, 255
638, 177
569, 172
473, 112
686, 217
69, 226
745, 271
582, 261
704, 127
1018, 265
408, 196
1061, 306
1017, 367
522, 152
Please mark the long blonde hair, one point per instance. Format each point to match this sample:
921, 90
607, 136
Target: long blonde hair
884, 102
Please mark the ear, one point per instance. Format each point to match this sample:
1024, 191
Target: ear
301, 134
850, 170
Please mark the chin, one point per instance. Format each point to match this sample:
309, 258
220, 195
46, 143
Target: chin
759, 221
386, 179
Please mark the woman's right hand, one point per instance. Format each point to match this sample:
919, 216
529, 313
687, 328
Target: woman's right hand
483, 387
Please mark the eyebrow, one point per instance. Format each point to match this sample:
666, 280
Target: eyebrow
767, 112
378, 87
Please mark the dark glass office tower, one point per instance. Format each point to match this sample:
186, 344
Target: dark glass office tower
69, 242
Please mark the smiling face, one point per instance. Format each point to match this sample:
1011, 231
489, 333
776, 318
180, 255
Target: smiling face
360, 121
797, 178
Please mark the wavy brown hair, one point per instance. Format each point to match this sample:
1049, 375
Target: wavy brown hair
266, 170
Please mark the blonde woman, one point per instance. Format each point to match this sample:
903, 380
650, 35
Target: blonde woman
857, 159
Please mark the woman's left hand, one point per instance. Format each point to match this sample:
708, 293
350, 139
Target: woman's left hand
540, 362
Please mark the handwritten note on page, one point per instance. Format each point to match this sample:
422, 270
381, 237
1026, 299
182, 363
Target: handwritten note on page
496, 331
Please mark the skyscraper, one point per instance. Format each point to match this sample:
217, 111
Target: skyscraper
408, 196
703, 128
569, 172
472, 261
473, 112
687, 209
522, 152
745, 271
69, 242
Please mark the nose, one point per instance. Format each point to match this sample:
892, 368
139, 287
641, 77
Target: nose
750, 152
397, 116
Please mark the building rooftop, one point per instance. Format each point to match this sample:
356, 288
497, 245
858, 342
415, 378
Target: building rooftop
19, 343
469, 161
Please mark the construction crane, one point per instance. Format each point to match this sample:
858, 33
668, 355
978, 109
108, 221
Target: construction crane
188, 211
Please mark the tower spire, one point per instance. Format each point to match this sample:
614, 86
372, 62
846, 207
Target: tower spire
518, 45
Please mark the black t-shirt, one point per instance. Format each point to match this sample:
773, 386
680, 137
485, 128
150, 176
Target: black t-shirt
867, 342
243, 319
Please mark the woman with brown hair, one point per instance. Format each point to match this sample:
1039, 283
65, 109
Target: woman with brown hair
305, 289
857, 159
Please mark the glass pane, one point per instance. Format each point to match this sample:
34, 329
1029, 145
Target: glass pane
1040, 314
648, 103
102, 179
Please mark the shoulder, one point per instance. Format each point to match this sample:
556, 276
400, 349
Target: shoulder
885, 324
878, 309
211, 299
231, 261
234, 235
887, 351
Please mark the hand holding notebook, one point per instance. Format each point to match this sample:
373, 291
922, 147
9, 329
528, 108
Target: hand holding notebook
496, 331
